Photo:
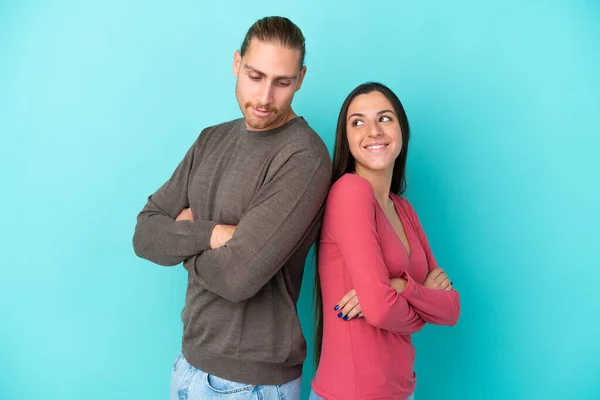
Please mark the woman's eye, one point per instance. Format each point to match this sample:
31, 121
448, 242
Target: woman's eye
357, 122
384, 118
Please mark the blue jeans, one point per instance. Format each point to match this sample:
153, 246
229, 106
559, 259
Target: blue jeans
314, 396
189, 383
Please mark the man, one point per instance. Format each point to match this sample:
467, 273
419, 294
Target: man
241, 211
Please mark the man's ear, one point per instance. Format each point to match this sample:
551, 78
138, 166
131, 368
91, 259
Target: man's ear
301, 75
237, 63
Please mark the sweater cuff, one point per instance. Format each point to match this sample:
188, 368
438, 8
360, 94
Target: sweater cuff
191, 237
411, 286
204, 232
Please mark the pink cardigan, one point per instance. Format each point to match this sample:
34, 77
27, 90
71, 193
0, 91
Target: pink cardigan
373, 357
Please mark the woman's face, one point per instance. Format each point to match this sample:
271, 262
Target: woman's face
373, 131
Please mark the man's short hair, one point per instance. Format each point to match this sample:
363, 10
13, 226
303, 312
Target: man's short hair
276, 30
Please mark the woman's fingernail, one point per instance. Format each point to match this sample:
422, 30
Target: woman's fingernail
340, 315
356, 316
346, 318
336, 308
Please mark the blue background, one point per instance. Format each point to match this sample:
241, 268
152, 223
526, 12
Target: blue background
99, 100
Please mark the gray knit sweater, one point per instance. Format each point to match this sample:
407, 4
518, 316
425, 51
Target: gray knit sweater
240, 320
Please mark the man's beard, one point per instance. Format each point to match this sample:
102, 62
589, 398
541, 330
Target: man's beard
257, 122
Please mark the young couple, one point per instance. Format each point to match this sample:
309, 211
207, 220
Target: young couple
242, 210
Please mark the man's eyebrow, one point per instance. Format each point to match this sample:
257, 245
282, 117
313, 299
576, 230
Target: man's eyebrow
247, 67
281, 77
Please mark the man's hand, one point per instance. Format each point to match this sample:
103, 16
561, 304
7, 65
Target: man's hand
185, 215
221, 235
437, 279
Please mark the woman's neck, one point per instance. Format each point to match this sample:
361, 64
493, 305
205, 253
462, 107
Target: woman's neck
381, 182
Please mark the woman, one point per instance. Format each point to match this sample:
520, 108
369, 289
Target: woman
371, 234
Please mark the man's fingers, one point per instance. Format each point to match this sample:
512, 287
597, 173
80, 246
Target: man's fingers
180, 216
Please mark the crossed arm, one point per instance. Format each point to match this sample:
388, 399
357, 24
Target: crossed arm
349, 305
400, 305
430, 311
235, 262
161, 235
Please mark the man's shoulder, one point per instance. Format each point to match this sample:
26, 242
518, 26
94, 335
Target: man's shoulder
221, 132
301, 136
223, 126
301, 129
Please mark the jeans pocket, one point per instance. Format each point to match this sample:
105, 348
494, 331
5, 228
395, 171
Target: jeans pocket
224, 387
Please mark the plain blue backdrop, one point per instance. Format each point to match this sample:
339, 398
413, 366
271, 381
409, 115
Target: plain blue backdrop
99, 100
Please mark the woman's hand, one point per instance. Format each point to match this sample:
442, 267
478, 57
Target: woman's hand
437, 279
399, 284
349, 306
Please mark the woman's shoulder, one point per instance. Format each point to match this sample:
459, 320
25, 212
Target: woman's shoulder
351, 184
350, 192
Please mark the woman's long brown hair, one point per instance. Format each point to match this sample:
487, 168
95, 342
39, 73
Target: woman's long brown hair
343, 163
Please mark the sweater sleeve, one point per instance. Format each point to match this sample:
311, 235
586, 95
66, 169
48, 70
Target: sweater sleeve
281, 215
350, 222
158, 237
439, 307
